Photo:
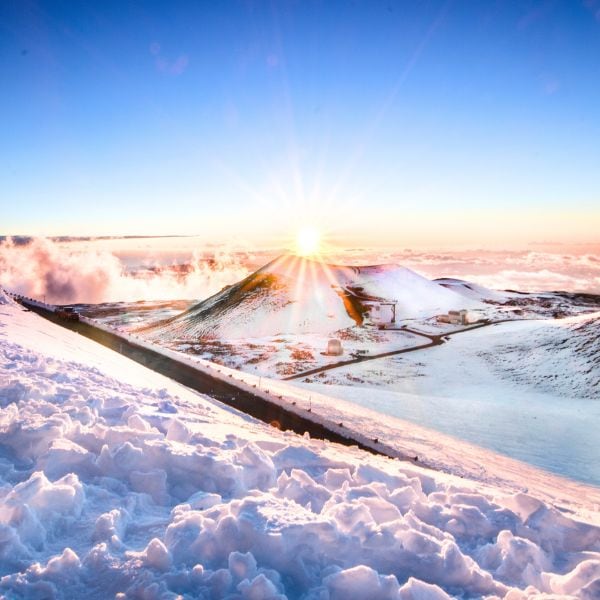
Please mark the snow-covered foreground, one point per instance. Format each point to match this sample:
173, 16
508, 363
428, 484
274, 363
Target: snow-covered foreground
115, 480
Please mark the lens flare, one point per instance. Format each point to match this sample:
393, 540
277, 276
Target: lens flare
308, 242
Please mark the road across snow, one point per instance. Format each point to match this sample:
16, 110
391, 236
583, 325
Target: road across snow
116, 481
528, 389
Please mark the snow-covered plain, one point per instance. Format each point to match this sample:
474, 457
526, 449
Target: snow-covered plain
529, 389
117, 482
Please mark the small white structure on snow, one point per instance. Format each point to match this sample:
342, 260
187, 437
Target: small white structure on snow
380, 311
455, 317
334, 347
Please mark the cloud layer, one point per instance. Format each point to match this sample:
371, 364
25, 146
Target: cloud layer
60, 274
573, 269
172, 269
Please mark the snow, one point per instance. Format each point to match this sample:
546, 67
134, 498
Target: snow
286, 355
527, 389
298, 295
4, 298
117, 482
473, 290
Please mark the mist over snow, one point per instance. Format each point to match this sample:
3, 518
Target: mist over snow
65, 273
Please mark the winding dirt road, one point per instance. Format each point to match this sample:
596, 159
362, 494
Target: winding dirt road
435, 339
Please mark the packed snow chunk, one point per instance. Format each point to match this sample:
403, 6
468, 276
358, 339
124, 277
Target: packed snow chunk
153, 483
350, 518
66, 563
48, 581
521, 504
65, 456
121, 459
301, 488
293, 455
12, 551
555, 532
65, 497
366, 474
260, 588
203, 500
259, 471
335, 478
404, 498
585, 575
414, 589
177, 431
515, 560
242, 565
156, 555
110, 526
184, 540
31, 434
135, 421
381, 510
361, 582
36, 509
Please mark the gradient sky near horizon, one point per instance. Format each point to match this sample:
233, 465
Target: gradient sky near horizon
408, 122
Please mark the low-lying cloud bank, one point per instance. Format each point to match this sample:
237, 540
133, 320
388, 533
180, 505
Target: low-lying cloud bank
61, 275
574, 269
174, 269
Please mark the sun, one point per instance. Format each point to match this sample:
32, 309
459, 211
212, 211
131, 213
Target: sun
308, 241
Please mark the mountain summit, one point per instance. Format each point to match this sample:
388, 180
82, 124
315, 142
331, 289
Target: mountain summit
293, 294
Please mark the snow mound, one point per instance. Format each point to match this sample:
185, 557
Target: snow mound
115, 481
298, 295
5, 298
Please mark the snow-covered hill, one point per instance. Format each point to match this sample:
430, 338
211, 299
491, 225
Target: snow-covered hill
473, 290
115, 480
527, 388
560, 356
298, 295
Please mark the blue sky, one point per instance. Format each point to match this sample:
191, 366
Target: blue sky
373, 117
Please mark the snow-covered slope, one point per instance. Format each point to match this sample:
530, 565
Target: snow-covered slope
526, 388
298, 295
560, 356
474, 291
115, 480
4, 298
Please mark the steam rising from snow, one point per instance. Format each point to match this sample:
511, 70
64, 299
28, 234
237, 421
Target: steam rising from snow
61, 275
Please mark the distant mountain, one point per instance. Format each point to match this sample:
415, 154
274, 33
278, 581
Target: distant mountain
298, 295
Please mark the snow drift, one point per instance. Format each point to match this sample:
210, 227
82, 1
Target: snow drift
114, 480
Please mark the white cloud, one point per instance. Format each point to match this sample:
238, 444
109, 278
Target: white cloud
63, 274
